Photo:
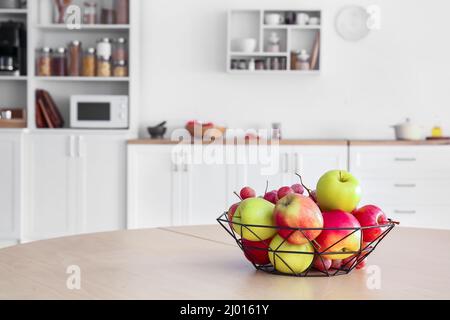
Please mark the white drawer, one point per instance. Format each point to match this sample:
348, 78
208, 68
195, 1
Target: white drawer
436, 217
406, 191
407, 161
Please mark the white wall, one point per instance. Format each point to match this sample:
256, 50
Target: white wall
402, 70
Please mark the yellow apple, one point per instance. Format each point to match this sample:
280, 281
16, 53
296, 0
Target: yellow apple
290, 258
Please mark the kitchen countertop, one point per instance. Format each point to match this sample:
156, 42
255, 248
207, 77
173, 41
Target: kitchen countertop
204, 263
317, 142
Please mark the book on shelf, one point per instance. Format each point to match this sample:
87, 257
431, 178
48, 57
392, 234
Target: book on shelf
47, 112
315, 53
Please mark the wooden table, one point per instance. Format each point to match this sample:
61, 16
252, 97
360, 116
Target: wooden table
204, 263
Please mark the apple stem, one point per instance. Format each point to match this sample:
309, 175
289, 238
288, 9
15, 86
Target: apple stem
301, 182
237, 195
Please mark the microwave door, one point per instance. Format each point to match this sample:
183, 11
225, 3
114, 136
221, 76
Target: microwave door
95, 115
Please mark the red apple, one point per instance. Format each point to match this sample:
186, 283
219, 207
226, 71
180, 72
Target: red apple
349, 262
337, 242
298, 188
336, 264
322, 264
297, 211
272, 196
257, 252
284, 191
371, 216
247, 193
232, 211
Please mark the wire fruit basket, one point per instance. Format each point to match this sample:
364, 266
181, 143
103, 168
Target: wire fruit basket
309, 260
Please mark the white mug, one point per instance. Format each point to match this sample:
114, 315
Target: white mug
273, 19
314, 21
302, 18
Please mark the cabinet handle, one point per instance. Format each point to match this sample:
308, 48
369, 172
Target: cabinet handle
405, 211
296, 160
286, 163
400, 185
405, 159
72, 147
80, 148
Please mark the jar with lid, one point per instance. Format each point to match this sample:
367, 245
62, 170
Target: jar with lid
90, 12
89, 63
122, 11
74, 58
44, 62
104, 47
59, 62
120, 50
108, 15
120, 69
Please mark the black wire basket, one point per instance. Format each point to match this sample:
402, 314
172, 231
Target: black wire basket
314, 258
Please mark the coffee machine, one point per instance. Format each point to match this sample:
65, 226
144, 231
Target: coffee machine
13, 48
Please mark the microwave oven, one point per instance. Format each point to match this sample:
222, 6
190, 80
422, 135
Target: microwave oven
99, 112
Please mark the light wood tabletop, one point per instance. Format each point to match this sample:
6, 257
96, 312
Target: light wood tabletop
204, 263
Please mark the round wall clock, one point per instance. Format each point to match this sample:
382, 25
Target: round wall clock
351, 23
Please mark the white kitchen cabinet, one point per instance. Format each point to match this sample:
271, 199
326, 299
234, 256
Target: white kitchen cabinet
410, 183
172, 185
75, 185
192, 185
154, 180
10, 186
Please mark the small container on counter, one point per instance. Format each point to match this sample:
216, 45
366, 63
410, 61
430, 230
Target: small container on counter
74, 58
89, 60
104, 55
44, 62
120, 50
59, 62
120, 69
90, 12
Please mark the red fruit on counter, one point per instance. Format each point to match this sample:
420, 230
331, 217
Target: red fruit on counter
298, 212
371, 216
336, 264
342, 235
272, 196
349, 262
284, 191
298, 188
257, 252
247, 193
322, 264
232, 211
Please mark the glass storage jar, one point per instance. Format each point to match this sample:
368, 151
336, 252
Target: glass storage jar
89, 63
74, 58
120, 50
90, 12
44, 62
104, 66
59, 62
120, 69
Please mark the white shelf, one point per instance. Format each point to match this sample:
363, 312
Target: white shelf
259, 54
84, 79
84, 27
13, 78
13, 11
293, 72
292, 26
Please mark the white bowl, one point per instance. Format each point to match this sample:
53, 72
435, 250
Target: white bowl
246, 45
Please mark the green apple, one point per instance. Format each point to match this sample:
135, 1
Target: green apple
255, 212
338, 190
291, 260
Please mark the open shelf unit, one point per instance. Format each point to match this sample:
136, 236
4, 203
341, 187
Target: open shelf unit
19, 92
293, 37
